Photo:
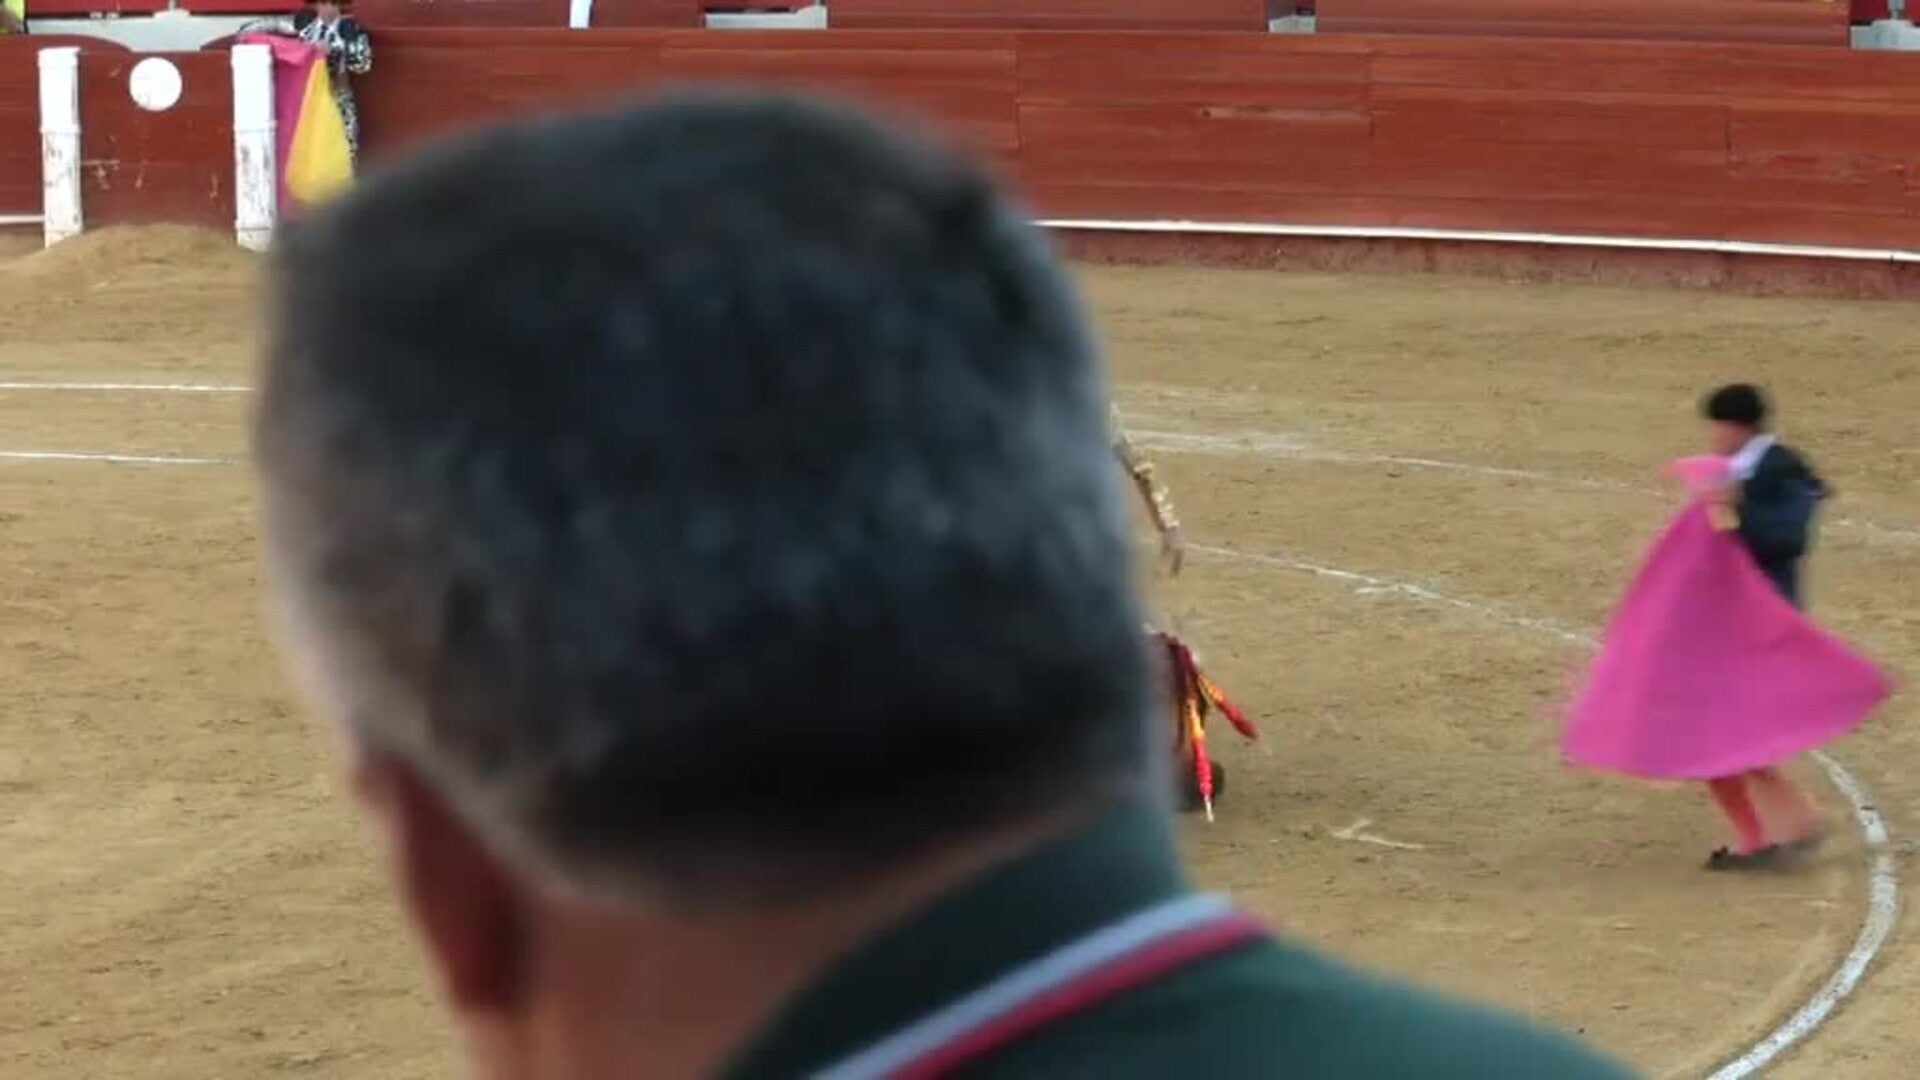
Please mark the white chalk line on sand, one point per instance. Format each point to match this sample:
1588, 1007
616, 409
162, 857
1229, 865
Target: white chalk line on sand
1258, 443
129, 387
1269, 444
1884, 885
114, 459
121, 388
1883, 879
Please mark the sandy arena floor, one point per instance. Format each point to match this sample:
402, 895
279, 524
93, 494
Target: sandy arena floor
183, 893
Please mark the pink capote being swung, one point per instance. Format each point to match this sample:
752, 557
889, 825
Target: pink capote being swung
1707, 671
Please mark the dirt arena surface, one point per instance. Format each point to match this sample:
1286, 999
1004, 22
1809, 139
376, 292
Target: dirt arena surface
183, 893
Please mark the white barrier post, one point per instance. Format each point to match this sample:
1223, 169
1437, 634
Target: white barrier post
256, 177
60, 143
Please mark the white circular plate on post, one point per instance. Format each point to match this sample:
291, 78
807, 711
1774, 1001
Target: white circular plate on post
155, 84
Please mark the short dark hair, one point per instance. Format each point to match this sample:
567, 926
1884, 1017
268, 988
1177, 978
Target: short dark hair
1740, 403
718, 490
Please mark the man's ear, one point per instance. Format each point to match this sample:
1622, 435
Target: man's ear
463, 901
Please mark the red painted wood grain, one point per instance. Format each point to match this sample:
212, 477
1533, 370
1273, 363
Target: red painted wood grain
19, 128
80, 9
490, 14
137, 166
1784, 22
614, 14
20, 116
241, 7
1242, 15
1703, 141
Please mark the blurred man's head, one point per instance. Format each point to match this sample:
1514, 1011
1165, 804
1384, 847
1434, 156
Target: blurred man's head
1734, 415
696, 508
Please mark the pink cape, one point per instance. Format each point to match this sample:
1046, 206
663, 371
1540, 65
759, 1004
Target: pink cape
1706, 670
293, 62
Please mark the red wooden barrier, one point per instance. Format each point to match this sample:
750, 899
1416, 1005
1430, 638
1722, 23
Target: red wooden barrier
19, 127
646, 13
1248, 15
80, 9
138, 166
20, 115
1801, 145
493, 14
241, 7
1780, 22
505, 14
1699, 141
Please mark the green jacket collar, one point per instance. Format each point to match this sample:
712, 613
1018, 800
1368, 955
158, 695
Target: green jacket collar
1124, 861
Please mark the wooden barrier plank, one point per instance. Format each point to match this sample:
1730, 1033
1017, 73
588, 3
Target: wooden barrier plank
1622, 216
492, 14
1610, 215
81, 9
879, 66
475, 86
1823, 227
1823, 190
1799, 22
750, 42
138, 166
1567, 30
1570, 67
1231, 72
1117, 134
533, 37
529, 14
1243, 15
1871, 129
612, 14
1816, 75
1077, 196
1595, 12
19, 126
1415, 113
241, 7
1294, 181
969, 93
1467, 167
1630, 138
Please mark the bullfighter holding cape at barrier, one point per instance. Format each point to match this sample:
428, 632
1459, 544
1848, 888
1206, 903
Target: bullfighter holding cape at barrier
317, 53
1709, 670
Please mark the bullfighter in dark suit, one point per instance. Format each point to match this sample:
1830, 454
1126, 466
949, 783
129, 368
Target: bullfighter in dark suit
1778, 493
1772, 502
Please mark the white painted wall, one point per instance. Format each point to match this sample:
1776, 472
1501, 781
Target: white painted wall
809, 18
1891, 34
256, 176
60, 143
179, 31
169, 31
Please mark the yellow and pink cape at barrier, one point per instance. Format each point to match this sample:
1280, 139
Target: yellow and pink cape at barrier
1706, 670
311, 136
